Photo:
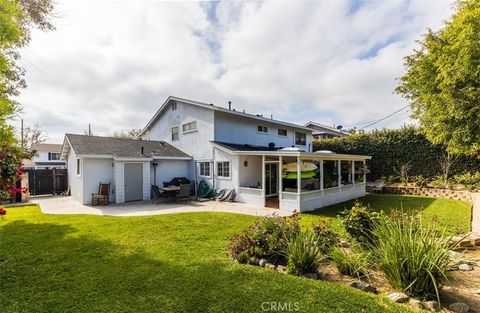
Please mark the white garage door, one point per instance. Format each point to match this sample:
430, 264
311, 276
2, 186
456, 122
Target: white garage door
133, 181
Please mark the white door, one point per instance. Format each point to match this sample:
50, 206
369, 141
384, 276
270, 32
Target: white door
133, 181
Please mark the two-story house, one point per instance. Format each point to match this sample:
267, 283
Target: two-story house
267, 162
47, 156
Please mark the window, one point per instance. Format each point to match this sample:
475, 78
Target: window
262, 129
174, 105
189, 127
175, 134
223, 169
282, 132
204, 169
78, 166
52, 156
300, 139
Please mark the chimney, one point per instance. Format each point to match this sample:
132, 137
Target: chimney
229, 105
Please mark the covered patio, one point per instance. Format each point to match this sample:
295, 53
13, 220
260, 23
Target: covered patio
295, 180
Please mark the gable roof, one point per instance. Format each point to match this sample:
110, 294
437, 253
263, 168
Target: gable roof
120, 147
326, 127
219, 109
50, 147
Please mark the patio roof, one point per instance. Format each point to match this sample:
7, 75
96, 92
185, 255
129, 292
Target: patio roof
237, 149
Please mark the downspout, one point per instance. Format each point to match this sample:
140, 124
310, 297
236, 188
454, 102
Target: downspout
213, 168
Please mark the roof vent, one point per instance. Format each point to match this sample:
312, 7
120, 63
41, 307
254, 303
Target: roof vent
271, 145
142, 150
339, 127
229, 105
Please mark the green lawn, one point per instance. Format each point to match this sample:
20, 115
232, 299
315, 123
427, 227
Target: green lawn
453, 215
169, 263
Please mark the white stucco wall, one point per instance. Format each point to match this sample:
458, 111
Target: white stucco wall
197, 143
169, 169
251, 174
232, 181
74, 181
236, 129
96, 171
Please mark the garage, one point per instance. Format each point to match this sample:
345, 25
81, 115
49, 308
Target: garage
133, 181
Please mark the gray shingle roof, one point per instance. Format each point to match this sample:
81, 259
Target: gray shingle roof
120, 147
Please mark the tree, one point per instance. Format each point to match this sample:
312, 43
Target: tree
133, 133
442, 82
16, 20
33, 135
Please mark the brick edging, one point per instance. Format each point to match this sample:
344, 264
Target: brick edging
430, 192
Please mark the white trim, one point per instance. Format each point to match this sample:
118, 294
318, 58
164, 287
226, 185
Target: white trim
209, 169
190, 131
170, 158
262, 132
133, 160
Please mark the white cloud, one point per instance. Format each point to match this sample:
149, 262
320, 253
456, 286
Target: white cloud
113, 63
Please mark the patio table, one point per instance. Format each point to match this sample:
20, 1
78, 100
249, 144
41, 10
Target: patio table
171, 191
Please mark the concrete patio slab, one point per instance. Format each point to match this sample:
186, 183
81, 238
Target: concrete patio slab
68, 205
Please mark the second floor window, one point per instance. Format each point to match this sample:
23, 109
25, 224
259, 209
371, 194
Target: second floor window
282, 132
53, 156
174, 106
175, 135
300, 139
189, 127
262, 129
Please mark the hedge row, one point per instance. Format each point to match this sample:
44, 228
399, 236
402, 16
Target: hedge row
391, 148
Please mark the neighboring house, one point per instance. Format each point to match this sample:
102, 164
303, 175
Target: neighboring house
130, 166
47, 156
226, 148
321, 131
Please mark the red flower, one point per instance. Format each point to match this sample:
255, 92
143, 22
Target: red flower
3, 211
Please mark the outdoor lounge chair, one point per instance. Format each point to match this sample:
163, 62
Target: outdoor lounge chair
157, 194
102, 197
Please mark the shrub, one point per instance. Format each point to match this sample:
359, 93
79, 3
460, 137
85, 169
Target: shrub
413, 256
420, 181
327, 237
265, 239
359, 222
354, 262
468, 180
303, 253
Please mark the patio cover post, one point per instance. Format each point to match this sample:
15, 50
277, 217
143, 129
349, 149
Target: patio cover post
353, 172
339, 172
280, 180
263, 173
299, 175
364, 172
321, 174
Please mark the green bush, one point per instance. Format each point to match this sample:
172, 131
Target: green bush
327, 237
414, 256
303, 253
420, 181
468, 180
265, 239
359, 222
390, 148
355, 261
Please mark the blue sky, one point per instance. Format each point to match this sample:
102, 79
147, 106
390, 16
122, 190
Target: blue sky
112, 63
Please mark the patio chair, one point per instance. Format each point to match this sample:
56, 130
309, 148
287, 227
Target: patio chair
184, 193
157, 194
102, 197
379, 184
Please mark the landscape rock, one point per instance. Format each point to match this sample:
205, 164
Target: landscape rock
363, 286
344, 244
459, 307
270, 266
262, 262
311, 275
465, 267
415, 303
432, 305
398, 297
282, 269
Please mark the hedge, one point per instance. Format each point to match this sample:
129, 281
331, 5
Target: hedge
391, 148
